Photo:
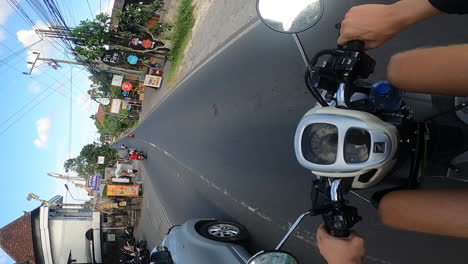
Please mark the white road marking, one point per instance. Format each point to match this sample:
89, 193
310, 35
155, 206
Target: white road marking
160, 204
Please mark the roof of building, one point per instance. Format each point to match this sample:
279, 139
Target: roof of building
16, 239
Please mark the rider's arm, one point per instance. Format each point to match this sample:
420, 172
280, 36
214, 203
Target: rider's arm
440, 70
376, 24
442, 212
451, 6
335, 250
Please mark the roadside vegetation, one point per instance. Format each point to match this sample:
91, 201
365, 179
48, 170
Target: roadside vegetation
180, 36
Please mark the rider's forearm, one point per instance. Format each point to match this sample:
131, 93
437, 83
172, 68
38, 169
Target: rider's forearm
441, 70
442, 212
414, 11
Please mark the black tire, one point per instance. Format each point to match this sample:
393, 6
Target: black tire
224, 232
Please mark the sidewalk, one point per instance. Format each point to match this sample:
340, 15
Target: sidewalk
153, 223
217, 22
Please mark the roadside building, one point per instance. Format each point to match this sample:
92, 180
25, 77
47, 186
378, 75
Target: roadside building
54, 235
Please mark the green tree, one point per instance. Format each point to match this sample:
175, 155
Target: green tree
86, 164
92, 35
134, 15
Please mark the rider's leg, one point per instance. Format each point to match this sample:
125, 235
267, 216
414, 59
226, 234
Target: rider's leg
439, 70
442, 212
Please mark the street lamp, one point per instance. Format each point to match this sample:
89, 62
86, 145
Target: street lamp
68, 190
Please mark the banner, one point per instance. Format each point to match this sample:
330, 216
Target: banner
153, 81
123, 190
94, 182
115, 106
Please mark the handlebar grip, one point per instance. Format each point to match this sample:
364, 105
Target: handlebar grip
341, 233
357, 45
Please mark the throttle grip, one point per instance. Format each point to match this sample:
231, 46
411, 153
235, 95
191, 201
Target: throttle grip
357, 45
340, 233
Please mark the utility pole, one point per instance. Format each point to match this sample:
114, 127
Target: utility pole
72, 180
102, 67
32, 196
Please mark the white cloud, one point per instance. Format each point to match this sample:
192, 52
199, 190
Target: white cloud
5, 11
45, 48
86, 103
34, 87
43, 130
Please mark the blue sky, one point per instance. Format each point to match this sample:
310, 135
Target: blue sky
36, 140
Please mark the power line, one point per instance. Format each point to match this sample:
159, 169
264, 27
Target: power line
13, 67
30, 109
25, 106
91, 12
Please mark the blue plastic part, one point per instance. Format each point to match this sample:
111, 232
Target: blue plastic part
132, 59
383, 88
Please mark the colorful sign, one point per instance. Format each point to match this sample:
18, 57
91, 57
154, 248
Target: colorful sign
153, 81
94, 182
115, 106
127, 86
123, 190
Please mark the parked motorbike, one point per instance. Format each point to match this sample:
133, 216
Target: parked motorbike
134, 251
349, 139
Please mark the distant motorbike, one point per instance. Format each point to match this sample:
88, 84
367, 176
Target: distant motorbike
136, 155
131, 135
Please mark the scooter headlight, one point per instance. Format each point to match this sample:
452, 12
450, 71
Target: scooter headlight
336, 141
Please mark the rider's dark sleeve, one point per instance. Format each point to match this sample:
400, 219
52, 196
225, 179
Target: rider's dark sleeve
451, 6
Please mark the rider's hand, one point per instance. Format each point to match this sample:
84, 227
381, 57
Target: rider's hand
375, 24
335, 250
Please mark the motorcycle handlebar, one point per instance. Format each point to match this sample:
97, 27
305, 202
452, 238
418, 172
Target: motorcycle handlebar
341, 233
357, 45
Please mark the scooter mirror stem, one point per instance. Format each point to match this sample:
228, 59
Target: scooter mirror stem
302, 51
291, 230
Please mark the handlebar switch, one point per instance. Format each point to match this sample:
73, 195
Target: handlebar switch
340, 220
355, 64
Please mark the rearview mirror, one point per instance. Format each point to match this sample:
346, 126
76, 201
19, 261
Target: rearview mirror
273, 257
291, 16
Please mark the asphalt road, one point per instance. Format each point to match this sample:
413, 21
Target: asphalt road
221, 145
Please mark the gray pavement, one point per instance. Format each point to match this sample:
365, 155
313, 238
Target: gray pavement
153, 223
217, 22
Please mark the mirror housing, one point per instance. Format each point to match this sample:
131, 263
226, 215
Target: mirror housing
161, 257
273, 256
292, 16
